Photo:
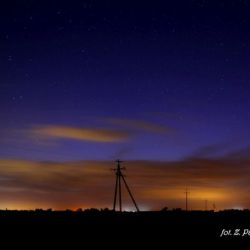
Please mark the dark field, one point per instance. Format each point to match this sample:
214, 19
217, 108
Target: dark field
106, 227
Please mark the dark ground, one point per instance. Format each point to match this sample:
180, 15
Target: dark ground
132, 230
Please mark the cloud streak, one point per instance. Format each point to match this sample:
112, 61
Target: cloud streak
82, 134
139, 125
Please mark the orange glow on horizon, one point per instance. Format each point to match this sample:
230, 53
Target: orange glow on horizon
86, 184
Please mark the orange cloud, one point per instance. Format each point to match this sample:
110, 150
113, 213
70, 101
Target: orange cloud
84, 134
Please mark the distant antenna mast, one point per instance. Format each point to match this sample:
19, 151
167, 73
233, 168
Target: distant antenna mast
205, 205
214, 207
120, 177
186, 193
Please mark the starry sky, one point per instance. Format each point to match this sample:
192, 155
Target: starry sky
163, 85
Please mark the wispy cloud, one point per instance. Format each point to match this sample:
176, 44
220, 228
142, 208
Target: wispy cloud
115, 130
139, 125
84, 134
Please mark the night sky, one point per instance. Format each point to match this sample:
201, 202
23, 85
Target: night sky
163, 85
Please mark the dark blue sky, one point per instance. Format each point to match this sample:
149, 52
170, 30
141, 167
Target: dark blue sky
172, 75
162, 85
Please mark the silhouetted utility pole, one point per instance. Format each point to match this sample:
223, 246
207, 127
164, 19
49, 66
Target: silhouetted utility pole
205, 205
186, 193
120, 177
214, 207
